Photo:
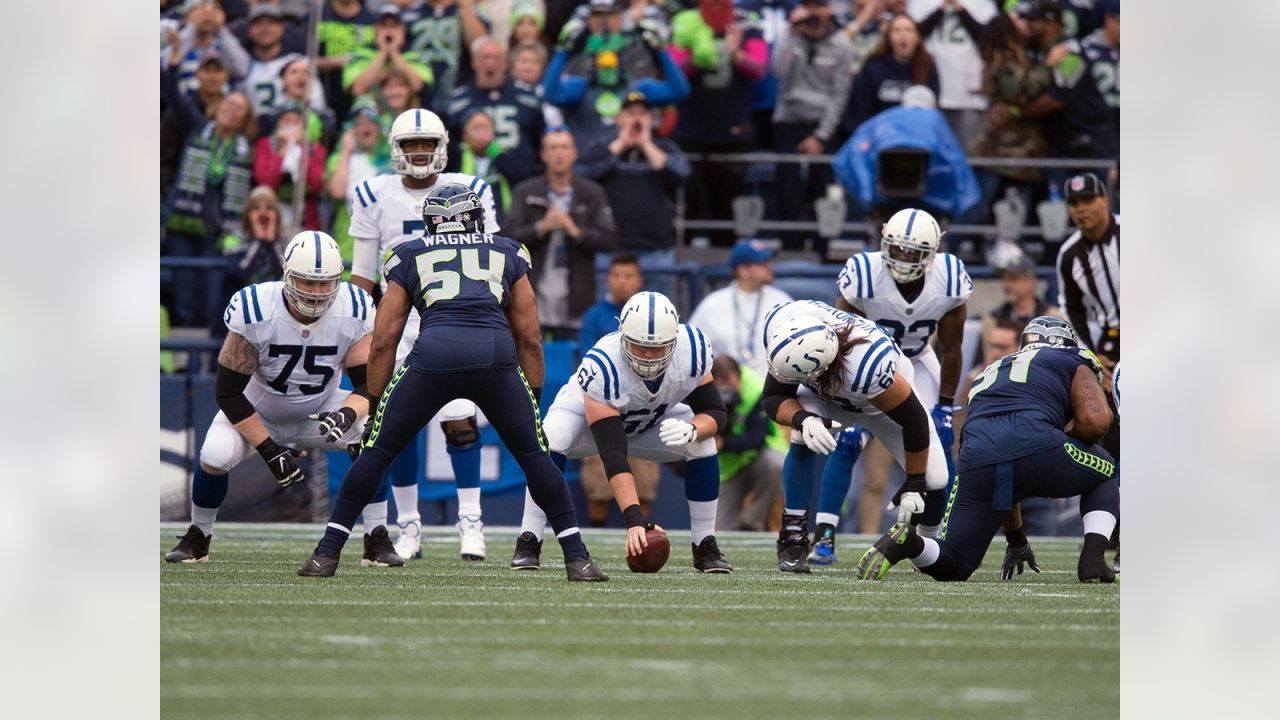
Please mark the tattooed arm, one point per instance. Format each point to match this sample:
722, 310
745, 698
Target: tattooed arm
236, 363
1092, 418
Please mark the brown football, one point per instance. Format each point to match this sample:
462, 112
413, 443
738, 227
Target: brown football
654, 555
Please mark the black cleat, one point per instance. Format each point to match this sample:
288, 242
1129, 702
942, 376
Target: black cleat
584, 570
900, 543
528, 552
319, 565
1115, 566
1093, 567
707, 557
378, 550
191, 548
793, 544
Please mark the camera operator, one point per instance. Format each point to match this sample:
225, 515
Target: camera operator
750, 449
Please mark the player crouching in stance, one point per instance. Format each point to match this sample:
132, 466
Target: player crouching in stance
277, 375
644, 391
479, 339
828, 368
1034, 419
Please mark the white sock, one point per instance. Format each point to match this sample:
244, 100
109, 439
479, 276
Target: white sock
567, 532
1100, 522
930, 555
534, 519
929, 531
469, 501
831, 519
375, 514
702, 519
406, 498
203, 518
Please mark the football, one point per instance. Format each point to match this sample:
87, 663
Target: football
655, 553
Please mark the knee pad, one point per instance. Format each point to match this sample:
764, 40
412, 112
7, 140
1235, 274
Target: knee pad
219, 449
461, 438
559, 436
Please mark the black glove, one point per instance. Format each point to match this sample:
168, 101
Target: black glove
335, 423
280, 462
1017, 555
354, 448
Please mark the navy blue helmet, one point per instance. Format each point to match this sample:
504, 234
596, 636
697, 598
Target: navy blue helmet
452, 208
1049, 331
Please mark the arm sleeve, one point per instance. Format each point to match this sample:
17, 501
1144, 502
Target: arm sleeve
913, 419
228, 391
364, 257
558, 89
234, 54
775, 392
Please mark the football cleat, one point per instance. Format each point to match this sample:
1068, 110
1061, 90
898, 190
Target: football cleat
824, 548
584, 570
528, 554
707, 557
890, 549
1093, 567
409, 543
793, 544
1115, 566
191, 548
378, 550
470, 537
319, 565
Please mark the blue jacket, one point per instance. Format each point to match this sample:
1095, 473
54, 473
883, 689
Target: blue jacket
599, 320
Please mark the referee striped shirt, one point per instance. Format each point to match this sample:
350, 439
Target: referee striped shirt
1089, 281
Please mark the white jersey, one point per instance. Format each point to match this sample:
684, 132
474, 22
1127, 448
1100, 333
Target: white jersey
299, 365
606, 378
955, 54
265, 89
867, 285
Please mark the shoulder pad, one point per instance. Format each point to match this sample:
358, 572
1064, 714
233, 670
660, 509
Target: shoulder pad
365, 194
855, 278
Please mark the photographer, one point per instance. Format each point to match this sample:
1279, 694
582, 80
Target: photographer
369, 65
750, 449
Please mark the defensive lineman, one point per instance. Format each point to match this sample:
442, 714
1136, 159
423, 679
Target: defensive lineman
644, 391
385, 213
278, 375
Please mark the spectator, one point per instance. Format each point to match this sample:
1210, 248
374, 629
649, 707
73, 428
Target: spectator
899, 62
392, 96
211, 74
515, 109
362, 154
732, 317
953, 32
866, 30
253, 254
369, 65
344, 26
294, 39
722, 51
1102, 49
1021, 303
214, 176
633, 16
441, 33
266, 59
298, 88
203, 32
528, 62
277, 163
748, 448
564, 221
641, 173
527, 20
811, 63
774, 17
632, 29
479, 154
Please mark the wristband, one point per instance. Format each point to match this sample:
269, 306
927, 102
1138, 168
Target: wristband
797, 420
634, 517
915, 483
268, 448
946, 400
537, 394
1016, 538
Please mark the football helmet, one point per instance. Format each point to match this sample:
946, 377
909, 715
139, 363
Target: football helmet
801, 349
1048, 331
452, 208
648, 320
312, 256
414, 124
909, 241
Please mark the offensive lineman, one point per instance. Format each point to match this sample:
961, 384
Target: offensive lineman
911, 290
480, 339
288, 342
828, 368
385, 213
644, 391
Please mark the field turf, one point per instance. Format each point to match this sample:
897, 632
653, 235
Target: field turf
243, 637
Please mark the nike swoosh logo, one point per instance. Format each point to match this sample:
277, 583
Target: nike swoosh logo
790, 563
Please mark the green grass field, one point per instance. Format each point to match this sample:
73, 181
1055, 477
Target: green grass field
243, 637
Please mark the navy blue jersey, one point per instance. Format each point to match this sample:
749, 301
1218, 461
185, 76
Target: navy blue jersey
516, 111
1086, 126
459, 279
435, 32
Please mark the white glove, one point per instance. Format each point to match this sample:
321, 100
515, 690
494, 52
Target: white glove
816, 435
911, 504
677, 433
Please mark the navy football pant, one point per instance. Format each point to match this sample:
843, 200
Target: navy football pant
984, 496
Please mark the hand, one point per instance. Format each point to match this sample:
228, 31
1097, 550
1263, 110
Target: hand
650, 32
816, 435
1108, 371
280, 461
909, 499
732, 38
636, 540
173, 39
335, 423
216, 16
573, 37
677, 433
1017, 555
553, 220
642, 134
354, 448
811, 146
942, 415
1057, 54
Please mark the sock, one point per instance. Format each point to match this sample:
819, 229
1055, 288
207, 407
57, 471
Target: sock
468, 501
1100, 522
203, 518
358, 488
800, 515
702, 519
374, 515
534, 520
928, 531
571, 544
406, 497
797, 477
335, 537
207, 493
829, 519
929, 555
560, 460
466, 465
837, 476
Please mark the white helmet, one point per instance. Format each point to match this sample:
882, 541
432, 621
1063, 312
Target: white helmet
648, 320
311, 255
801, 349
413, 124
909, 240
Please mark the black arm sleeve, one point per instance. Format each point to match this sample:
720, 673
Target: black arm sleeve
360, 381
611, 443
705, 400
911, 415
755, 427
929, 23
228, 389
775, 392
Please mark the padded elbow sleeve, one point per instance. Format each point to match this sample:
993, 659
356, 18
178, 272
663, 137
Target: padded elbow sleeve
775, 393
228, 389
360, 381
910, 414
611, 443
705, 400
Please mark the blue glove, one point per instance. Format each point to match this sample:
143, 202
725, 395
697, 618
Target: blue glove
851, 441
942, 421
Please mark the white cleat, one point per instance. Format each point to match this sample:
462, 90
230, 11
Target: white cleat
471, 537
409, 543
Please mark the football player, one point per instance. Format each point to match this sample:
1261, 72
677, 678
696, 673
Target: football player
644, 391
287, 345
480, 339
911, 290
828, 368
386, 211
1031, 430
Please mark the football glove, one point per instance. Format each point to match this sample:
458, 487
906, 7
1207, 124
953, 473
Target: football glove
1017, 555
335, 423
942, 415
280, 461
677, 433
909, 499
816, 436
